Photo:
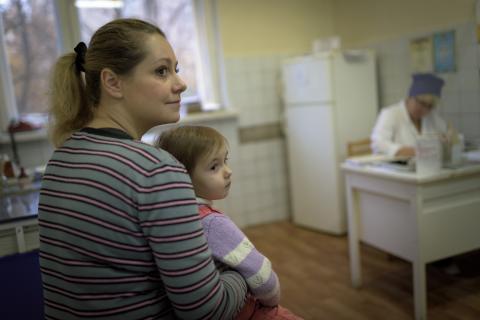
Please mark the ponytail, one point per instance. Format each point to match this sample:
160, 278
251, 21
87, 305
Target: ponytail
69, 108
75, 89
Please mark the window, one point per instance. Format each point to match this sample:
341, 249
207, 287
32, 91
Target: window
175, 18
30, 47
33, 33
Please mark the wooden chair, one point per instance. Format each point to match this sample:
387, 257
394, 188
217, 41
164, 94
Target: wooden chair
359, 147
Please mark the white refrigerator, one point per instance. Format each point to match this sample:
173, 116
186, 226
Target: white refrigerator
330, 99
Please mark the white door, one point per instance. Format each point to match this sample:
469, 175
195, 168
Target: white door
313, 169
307, 80
356, 99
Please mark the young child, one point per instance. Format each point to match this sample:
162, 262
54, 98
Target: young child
204, 153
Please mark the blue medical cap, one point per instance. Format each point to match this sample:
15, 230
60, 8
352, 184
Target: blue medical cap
426, 83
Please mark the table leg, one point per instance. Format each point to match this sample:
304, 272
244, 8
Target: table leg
353, 237
420, 290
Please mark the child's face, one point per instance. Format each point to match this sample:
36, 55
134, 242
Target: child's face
211, 177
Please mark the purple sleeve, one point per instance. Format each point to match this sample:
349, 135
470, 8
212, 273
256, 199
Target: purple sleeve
230, 246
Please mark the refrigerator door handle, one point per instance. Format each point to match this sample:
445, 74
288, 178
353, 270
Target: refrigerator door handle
284, 123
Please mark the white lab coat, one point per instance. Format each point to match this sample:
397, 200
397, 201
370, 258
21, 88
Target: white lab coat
394, 129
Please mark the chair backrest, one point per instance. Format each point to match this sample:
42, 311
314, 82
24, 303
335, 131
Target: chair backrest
359, 147
21, 294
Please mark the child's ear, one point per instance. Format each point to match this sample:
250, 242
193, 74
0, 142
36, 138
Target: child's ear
111, 83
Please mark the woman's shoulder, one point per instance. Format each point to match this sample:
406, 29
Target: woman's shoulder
157, 157
393, 112
155, 152
394, 108
138, 152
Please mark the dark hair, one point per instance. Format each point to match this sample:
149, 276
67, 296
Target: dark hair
119, 46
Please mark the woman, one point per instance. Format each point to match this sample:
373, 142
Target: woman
398, 126
120, 236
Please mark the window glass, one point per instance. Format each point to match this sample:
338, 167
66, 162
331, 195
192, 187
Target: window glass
31, 46
93, 18
174, 17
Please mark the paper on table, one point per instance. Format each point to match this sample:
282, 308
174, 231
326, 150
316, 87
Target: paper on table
368, 159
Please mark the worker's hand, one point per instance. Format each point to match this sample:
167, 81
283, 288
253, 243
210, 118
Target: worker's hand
406, 152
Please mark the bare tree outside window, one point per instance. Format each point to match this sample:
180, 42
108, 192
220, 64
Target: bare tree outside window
174, 17
30, 38
93, 18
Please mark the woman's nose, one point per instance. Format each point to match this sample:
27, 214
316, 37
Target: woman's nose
179, 86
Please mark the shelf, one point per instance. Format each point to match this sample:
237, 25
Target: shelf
39, 134
204, 117
14, 188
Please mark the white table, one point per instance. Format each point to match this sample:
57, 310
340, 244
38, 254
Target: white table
419, 218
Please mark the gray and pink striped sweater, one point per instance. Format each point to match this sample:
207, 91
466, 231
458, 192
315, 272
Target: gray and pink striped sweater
120, 236
231, 249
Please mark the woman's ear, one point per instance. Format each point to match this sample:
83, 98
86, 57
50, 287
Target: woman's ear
111, 83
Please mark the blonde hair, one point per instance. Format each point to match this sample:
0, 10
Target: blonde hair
189, 144
119, 46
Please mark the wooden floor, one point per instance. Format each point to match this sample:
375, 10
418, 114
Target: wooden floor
314, 275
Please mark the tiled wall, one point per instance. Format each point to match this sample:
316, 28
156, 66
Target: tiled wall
460, 103
263, 181
253, 90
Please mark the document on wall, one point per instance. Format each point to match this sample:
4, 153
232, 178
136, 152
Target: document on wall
421, 54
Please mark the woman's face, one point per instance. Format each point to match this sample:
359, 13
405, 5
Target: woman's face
421, 106
151, 93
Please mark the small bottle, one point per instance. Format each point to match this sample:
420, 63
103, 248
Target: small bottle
8, 168
5, 200
23, 179
456, 156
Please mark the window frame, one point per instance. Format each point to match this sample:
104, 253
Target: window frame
212, 85
8, 105
210, 77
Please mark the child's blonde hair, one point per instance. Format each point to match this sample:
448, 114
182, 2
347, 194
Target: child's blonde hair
189, 144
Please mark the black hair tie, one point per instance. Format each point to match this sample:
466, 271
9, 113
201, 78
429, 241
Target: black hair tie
80, 49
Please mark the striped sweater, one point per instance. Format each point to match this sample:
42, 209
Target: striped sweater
231, 248
120, 236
